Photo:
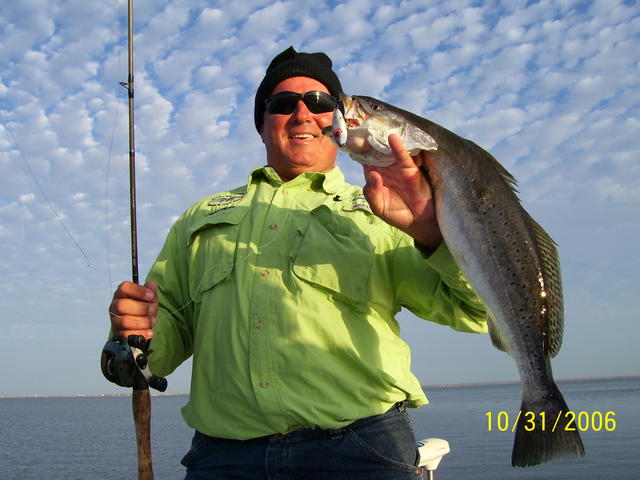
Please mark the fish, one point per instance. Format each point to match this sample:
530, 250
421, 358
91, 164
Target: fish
507, 257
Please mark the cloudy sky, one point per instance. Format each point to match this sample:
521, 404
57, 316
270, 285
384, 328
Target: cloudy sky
549, 87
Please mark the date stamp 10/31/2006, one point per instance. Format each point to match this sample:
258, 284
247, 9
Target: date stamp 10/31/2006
596, 421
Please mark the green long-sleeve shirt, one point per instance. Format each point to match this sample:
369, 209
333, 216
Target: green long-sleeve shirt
285, 294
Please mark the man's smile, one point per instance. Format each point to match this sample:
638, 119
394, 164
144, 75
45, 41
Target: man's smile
302, 136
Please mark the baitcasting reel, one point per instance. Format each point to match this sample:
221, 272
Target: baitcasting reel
125, 363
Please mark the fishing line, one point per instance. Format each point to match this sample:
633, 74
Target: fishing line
211, 268
257, 251
107, 212
107, 193
42, 192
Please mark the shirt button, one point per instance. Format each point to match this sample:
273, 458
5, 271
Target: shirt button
264, 273
259, 324
264, 384
273, 226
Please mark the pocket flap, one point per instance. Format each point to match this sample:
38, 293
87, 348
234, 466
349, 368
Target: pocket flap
337, 256
212, 246
230, 216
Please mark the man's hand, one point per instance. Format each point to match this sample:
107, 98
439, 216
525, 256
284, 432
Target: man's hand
133, 309
400, 194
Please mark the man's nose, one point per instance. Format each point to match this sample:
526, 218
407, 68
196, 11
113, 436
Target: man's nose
301, 112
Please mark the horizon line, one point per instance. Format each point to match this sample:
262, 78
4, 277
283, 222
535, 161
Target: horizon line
438, 385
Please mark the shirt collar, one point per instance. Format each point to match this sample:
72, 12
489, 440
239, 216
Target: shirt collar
329, 181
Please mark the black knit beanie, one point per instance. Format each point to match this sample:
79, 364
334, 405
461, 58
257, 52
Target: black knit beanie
294, 64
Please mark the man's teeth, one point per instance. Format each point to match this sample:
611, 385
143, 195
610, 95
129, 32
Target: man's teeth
302, 136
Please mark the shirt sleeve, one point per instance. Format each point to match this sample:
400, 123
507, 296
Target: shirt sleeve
434, 288
172, 341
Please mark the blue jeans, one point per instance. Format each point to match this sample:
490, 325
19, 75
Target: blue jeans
382, 447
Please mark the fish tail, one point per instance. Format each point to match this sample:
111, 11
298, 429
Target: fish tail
546, 430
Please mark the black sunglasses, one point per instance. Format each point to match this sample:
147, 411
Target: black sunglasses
284, 103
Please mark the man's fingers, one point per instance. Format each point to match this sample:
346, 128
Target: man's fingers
404, 157
152, 286
137, 292
133, 309
127, 322
125, 325
125, 333
373, 189
127, 306
399, 151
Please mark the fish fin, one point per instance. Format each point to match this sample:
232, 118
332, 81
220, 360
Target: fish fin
542, 437
498, 337
504, 173
551, 284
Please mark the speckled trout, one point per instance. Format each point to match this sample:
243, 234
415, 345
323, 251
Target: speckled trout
508, 258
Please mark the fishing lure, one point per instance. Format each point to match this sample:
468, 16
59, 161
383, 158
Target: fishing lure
339, 128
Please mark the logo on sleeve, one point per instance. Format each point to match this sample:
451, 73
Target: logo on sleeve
359, 202
224, 201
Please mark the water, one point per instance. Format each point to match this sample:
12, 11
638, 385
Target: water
458, 414
93, 438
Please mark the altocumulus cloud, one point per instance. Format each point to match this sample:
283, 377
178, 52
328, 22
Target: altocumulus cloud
550, 88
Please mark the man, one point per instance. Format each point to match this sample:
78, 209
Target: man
285, 291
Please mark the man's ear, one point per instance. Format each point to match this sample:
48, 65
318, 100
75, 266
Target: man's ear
262, 129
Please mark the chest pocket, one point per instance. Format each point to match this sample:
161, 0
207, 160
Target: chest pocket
335, 255
212, 247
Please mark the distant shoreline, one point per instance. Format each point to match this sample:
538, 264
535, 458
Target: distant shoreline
440, 385
515, 382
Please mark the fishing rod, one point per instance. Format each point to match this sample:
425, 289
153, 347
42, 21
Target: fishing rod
124, 361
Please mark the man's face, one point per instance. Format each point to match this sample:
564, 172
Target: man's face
294, 142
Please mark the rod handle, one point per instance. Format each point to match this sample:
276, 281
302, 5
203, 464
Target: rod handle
141, 403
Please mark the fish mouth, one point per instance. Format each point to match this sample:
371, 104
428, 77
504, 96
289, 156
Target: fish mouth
348, 118
349, 107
